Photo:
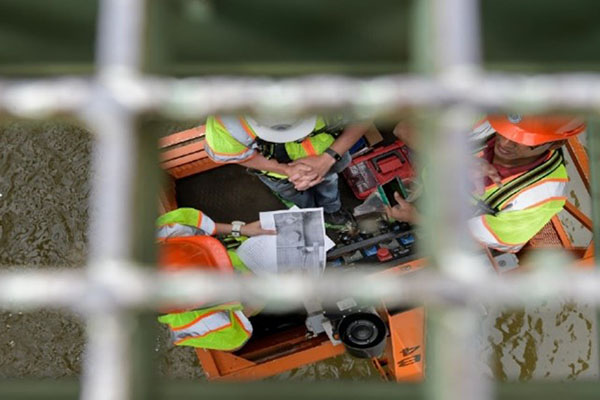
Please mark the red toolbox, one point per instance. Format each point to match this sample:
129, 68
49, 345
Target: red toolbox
366, 172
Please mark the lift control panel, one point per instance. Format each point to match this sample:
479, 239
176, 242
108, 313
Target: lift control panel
393, 242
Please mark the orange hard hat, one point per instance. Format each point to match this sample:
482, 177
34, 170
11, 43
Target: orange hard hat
533, 130
192, 252
189, 252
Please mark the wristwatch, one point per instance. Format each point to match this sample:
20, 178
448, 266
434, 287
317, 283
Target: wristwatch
333, 154
236, 228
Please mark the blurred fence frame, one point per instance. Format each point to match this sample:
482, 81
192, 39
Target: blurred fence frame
444, 77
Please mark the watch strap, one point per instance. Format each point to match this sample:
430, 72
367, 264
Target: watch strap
236, 228
333, 154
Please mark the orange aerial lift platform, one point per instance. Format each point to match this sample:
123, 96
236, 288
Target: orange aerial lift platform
279, 350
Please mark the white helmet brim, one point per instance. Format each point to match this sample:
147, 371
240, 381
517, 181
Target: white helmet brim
282, 131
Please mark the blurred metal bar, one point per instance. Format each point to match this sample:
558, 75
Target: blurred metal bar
143, 289
55, 288
452, 29
115, 361
108, 362
188, 97
112, 205
118, 358
119, 40
456, 41
451, 363
40, 98
447, 188
454, 371
107, 357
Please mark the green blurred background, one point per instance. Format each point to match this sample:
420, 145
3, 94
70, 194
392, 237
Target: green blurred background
194, 37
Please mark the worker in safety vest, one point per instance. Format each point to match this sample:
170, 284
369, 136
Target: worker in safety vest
297, 158
185, 243
525, 178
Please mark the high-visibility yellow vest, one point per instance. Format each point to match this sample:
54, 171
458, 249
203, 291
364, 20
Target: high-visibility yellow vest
230, 139
220, 327
524, 204
223, 327
179, 221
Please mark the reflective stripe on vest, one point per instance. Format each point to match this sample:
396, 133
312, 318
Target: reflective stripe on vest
522, 216
510, 230
176, 230
542, 191
239, 131
308, 147
244, 155
216, 323
168, 223
485, 235
238, 128
219, 328
201, 326
499, 197
523, 206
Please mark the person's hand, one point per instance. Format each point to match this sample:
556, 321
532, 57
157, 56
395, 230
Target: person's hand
300, 175
306, 182
296, 170
254, 229
319, 164
479, 171
403, 211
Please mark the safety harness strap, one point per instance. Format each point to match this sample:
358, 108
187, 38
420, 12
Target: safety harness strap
495, 199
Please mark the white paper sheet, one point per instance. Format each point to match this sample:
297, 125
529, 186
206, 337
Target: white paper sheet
299, 246
268, 222
259, 253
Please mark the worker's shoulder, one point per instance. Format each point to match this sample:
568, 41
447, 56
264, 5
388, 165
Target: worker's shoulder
217, 132
547, 191
214, 126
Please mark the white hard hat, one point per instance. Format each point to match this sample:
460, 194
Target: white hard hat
282, 129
